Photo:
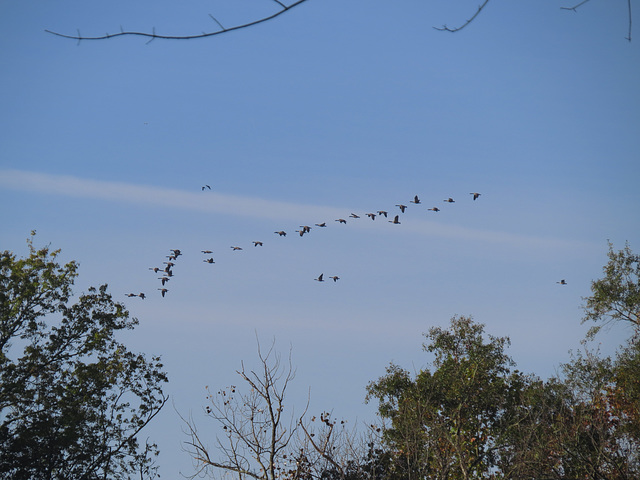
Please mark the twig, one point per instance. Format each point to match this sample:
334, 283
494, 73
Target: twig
444, 28
574, 8
153, 35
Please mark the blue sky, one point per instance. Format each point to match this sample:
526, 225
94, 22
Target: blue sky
334, 108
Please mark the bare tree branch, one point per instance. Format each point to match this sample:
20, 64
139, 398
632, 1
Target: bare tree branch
153, 35
444, 28
575, 7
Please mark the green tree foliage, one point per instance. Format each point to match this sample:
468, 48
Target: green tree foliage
616, 296
73, 399
449, 423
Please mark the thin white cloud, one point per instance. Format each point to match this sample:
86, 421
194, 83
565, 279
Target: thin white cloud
212, 202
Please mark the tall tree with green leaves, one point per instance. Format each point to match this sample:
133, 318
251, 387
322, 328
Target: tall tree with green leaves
73, 399
449, 423
616, 296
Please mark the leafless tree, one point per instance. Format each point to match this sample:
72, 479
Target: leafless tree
256, 436
258, 441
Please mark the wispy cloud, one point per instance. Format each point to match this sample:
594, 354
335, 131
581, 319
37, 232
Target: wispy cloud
212, 202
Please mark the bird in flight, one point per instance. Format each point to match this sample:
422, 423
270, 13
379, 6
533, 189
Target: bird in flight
206, 186
305, 228
320, 279
449, 200
163, 291
372, 216
415, 200
335, 278
155, 269
164, 280
383, 213
402, 207
209, 260
353, 215
475, 195
236, 248
256, 244
142, 295
562, 282
434, 209
395, 220
323, 224
282, 233
341, 220
131, 295
206, 252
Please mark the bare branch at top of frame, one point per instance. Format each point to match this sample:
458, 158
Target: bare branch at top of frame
575, 7
444, 28
153, 35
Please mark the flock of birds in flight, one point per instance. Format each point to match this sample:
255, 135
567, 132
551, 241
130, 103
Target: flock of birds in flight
166, 272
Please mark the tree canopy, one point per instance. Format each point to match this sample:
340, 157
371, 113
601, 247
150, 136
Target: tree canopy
73, 399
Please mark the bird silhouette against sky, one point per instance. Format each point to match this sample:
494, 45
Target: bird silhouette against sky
304, 229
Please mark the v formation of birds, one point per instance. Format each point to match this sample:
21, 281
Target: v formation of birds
166, 272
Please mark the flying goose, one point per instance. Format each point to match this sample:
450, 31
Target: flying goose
282, 233
475, 195
320, 279
395, 220
415, 200
402, 207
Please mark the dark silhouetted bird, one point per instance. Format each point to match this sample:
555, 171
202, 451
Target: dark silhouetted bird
206, 186
402, 207
163, 291
434, 209
236, 248
383, 213
335, 278
155, 269
131, 295
320, 279
353, 215
323, 224
305, 228
449, 200
209, 260
257, 244
206, 252
282, 233
164, 280
341, 220
562, 282
372, 216
395, 220
475, 195
415, 200
142, 295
